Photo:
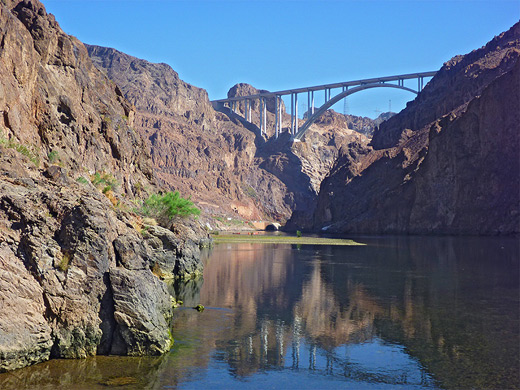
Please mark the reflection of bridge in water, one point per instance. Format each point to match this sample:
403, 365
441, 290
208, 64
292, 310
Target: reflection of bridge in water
345, 89
278, 345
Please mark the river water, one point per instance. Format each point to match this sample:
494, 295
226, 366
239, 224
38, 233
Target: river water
397, 313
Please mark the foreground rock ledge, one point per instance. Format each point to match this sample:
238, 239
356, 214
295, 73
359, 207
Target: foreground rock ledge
75, 275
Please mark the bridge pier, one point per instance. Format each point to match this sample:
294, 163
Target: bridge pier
264, 110
295, 113
292, 113
261, 115
308, 104
276, 116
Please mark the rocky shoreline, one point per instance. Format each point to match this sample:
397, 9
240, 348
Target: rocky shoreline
80, 272
77, 278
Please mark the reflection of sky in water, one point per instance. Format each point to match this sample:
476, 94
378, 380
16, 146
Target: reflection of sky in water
371, 365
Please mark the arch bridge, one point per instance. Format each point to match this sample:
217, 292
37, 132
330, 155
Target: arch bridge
341, 90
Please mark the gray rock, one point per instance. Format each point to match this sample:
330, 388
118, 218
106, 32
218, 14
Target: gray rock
142, 311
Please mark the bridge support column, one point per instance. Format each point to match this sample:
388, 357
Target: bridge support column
261, 101
295, 113
276, 116
312, 102
308, 104
292, 113
264, 110
280, 121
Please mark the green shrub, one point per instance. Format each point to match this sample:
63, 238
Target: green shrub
64, 263
28, 152
82, 180
105, 181
166, 207
298, 233
53, 156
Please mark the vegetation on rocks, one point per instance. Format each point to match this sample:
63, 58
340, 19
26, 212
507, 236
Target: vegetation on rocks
104, 181
165, 208
29, 152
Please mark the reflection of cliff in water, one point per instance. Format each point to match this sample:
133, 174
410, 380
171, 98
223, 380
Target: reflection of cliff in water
447, 308
431, 295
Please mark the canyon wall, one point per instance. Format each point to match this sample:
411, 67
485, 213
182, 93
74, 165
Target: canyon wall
448, 163
75, 268
215, 157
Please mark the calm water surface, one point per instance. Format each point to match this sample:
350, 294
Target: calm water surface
398, 313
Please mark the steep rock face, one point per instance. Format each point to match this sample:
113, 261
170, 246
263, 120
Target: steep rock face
88, 294
473, 166
154, 88
63, 243
55, 101
217, 158
457, 175
455, 84
194, 149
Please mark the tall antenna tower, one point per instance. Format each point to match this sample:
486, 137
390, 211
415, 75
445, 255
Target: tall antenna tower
346, 108
390, 106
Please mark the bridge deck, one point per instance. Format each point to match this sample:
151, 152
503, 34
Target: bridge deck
330, 86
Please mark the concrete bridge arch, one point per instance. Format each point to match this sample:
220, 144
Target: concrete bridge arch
320, 111
347, 88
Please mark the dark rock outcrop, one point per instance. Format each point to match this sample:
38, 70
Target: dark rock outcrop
458, 82
452, 162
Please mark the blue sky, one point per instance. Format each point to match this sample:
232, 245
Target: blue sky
277, 45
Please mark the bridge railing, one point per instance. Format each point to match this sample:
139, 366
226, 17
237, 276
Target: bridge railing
313, 114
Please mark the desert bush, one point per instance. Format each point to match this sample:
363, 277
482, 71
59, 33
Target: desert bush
166, 207
30, 152
105, 181
82, 180
53, 156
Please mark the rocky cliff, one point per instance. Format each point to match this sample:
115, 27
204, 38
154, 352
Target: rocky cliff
215, 157
448, 163
365, 125
75, 268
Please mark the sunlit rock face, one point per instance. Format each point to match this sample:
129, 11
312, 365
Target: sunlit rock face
216, 157
448, 163
62, 241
